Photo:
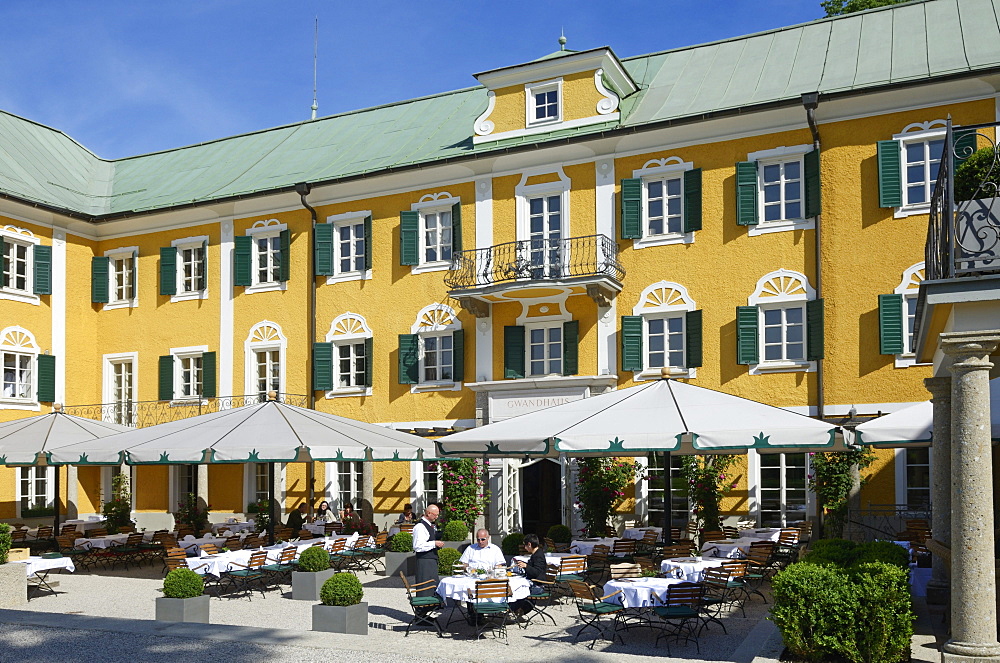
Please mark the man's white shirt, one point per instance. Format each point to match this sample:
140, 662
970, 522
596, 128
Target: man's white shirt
422, 541
483, 558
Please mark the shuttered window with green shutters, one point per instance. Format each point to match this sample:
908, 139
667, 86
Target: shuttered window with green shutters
693, 339
692, 200
46, 378
168, 271
456, 227
815, 346
631, 343
369, 359
631, 208
746, 193
890, 324
285, 249
323, 249
208, 375
42, 273
890, 181
747, 350
513, 352
243, 261
322, 366
100, 279
165, 380
812, 184
571, 347
368, 242
409, 238
409, 360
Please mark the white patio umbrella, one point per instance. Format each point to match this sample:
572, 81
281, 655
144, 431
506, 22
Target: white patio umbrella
914, 425
26, 441
652, 417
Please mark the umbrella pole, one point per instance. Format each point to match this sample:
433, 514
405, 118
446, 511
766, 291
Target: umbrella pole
668, 502
55, 520
270, 504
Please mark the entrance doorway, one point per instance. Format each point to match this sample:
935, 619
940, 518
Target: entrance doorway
541, 497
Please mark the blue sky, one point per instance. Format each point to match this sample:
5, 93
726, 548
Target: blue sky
126, 78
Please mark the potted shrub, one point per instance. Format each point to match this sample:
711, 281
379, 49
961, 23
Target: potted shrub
341, 609
561, 536
399, 556
455, 535
447, 558
512, 545
13, 578
184, 598
313, 570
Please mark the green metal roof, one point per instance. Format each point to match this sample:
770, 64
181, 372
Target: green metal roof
891, 45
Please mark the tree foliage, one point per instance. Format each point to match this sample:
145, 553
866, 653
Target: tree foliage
841, 7
600, 484
707, 481
832, 480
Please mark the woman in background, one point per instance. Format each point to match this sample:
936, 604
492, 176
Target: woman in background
324, 514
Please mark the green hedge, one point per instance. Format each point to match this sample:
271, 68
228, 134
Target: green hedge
847, 553
402, 542
447, 557
5, 541
314, 560
341, 589
511, 544
455, 530
560, 534
183, 584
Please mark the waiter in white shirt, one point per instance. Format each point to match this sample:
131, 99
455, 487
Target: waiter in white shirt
426, 541
482, 554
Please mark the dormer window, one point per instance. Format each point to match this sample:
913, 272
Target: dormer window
544, 102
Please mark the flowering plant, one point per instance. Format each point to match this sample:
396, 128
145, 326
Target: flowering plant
600, 485
832, 480
263, 519
464, 495
189, 513
118, 510
354, 523
707, 482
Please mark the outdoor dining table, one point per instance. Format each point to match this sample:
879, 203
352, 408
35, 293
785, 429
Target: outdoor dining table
638, 592
84, 525
691, 569
233, 527
586, 546
731, 548
764, 534
220, 563
39, 568
639, 533
463, 588
108, 540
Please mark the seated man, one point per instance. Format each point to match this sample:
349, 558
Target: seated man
297, 518
482, 554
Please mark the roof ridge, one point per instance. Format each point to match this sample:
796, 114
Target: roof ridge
55, 131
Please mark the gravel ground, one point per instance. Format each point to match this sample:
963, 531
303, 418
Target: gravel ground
62, 627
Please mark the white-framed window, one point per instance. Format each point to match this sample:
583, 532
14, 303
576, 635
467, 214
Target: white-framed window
437, 358
122, 274
261, 481
543, 102
439, 225
543, 226
350, 484
35, 488
921, 145
781, 189
655, 492
185, 481
192, 268
664, 308
436, 352
120, 388
545, 349
913, 477
662, 202
190, 381
908, 289
782, 327
351, 337
349, 247
431, 474
783, 488
264, 349
265, 256
17, 264
18, 356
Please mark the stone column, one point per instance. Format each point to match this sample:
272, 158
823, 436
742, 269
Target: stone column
72, 493
940, 388
367, 506
202, 484
973, 579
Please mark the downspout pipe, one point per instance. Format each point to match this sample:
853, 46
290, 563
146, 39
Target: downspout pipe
303, 189
810, 101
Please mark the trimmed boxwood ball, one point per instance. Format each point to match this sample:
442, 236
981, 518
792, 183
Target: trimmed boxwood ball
341, 589
314, 560
560, 534
402, 542
5, 541
455, 530
446, 560
183, 584
511, 544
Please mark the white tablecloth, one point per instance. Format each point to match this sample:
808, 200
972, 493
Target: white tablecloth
234, 527
765, 534
35, 564
462, 588
691, 569
84, 525
216, 565
638, 592
639, 533
109, 540
586, 546
731, 548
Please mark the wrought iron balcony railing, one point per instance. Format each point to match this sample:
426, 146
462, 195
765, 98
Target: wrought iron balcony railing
963, 234
536, 260
140, 414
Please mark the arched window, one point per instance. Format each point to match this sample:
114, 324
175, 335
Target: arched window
664, 331
432, 355
352, 354
265, 359
781, 328
896, 315
19, 355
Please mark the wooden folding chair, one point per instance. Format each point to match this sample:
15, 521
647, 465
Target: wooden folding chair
593, 608
423, 607
490, 604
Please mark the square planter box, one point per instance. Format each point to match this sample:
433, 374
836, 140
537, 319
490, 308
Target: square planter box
306, 586
13, 585
460, 546
399, 561
351, 619
193, 610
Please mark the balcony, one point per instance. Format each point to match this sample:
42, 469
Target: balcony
516, 270
140, 414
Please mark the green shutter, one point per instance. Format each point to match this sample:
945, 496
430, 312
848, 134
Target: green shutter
890, 324
3, 264
369, 358
812, 184
323, 249
747, 351
692, 200
632, 357
208, 382
571, 347
166, 378
100, 267
458, 355
42, 270
814, 330
243, 261
965, 146
890, 183
409, 238
204, 266
368, 242
409, 365
631, 199
692, 339
323, 366
168, 272
513, 352
746, 193
456, 227
46, 378
285, 245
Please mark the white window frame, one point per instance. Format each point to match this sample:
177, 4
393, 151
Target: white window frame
909, 288
19, 341
525, 192
179, 354
269, 229
917, 132
265, 336
250, 487
757, 488
903, 479
109, 362
114, 256
662, 300
661, 169
530, 90
347, 328
345, 219
434, 320
355, 493
782, 289
23, 237
33, 471
781, 154
644, 492
174, 475
181, 245
433, 204
547, 325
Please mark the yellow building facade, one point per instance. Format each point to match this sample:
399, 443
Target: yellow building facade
570, 226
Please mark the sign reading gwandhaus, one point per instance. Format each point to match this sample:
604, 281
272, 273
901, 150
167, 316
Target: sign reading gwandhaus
504, 405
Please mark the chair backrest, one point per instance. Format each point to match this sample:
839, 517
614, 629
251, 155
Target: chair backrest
184, 530
647, 564
126, 529
305, 534
623, 547
175, 558
581, 591
44, 533
573, 564
788, 536
686, 594
618, 571
287, 555
381, 539
764, 545
284, 533
492, 589
406, 527
712, 535
716, 576
759, 555
66, 541
692, 529
168, 540
233, 543
337, 545
17, 535
675, 533
610, 531
68, 529
650, 537
257, 559
330, 528
736, 568
550, 544
134, 539
96, 532
209, 549
678, 550
731, 532
318, 543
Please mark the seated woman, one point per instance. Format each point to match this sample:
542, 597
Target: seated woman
407, 515
534, 568
348, 514
324, 514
